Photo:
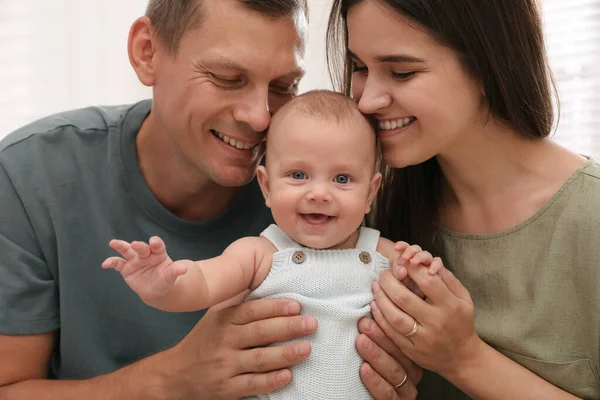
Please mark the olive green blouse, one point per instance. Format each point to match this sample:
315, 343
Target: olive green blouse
536, 289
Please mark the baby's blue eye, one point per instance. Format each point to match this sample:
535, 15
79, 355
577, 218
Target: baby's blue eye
343, 179
298, 175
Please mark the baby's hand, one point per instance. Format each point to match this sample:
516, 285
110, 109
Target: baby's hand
147, 268
414, 256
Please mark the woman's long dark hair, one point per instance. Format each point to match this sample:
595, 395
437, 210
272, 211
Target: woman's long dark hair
500, 44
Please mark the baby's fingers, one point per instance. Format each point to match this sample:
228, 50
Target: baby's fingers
423, 257
115, 263
157, 246
410, 252
173, 271
436, 266
124, 248
401, 246
142, 249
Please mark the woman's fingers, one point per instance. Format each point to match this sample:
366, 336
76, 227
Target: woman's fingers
372, 333
381, 389
452, 283
396, 297
435, 333
432, 286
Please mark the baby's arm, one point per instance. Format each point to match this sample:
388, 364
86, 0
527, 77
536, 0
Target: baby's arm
187, 285
396, 254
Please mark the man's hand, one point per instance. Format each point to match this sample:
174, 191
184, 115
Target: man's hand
224, 356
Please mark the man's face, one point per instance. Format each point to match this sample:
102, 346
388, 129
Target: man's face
215, 97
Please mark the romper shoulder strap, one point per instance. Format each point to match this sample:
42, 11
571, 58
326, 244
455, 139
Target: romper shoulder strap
279, 239
368, 239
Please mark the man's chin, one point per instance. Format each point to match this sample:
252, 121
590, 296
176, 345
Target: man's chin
236, 179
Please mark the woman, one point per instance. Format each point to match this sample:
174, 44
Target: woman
461, 93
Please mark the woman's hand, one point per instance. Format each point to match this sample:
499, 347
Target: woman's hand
387, 372
437, 333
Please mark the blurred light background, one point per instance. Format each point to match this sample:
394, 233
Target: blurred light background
63, 54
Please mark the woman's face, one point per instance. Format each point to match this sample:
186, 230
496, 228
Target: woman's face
425, 103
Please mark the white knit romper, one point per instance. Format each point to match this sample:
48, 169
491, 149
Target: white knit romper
334, 286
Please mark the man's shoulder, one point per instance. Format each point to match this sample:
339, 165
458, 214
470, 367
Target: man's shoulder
66, 125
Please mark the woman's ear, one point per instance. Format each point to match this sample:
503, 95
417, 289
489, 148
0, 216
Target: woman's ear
373, 188
142, 47
263, 182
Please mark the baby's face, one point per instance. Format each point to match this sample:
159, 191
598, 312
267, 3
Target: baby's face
320, 178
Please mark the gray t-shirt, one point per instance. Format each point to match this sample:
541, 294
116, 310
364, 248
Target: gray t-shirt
68, 184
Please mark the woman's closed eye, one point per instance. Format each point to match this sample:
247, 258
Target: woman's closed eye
402, 76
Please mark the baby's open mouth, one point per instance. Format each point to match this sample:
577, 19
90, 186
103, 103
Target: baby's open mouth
316, 219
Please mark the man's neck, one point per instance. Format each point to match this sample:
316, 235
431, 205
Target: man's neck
179, 187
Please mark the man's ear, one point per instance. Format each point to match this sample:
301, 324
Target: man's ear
373, 188
263, 182
142, 47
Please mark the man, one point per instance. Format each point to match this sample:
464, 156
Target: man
181, 167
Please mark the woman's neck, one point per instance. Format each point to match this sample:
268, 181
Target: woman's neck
500, 179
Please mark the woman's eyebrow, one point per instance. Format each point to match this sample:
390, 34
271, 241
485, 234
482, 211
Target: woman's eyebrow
395, 58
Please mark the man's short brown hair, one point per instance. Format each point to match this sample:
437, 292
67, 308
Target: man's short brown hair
173, 18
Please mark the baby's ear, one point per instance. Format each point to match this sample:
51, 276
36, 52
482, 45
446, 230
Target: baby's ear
373, 188
263, 182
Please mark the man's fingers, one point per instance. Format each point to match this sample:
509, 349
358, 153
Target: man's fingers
264, 332
254, 384
264, 359
262, 309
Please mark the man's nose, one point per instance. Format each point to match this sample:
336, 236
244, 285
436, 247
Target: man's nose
254, 111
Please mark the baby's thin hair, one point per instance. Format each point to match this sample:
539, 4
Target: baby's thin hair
323, 104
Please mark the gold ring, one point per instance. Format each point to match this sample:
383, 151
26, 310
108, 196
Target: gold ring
398, 386
414, 330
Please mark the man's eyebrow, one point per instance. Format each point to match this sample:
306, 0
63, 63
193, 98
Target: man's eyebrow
297, 74
394, 58
230, 64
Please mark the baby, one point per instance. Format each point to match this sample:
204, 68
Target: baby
319, 181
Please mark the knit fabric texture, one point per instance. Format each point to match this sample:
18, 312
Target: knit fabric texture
334, 286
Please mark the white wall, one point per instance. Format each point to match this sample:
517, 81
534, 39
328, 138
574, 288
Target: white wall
62, 54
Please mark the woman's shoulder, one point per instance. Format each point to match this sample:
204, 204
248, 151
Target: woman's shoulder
581, 194
584, 185
591, 170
